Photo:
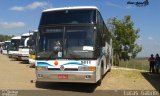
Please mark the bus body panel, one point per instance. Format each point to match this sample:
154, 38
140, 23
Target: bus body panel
4, 52
54, 76
72, 69
23, 54
5, 47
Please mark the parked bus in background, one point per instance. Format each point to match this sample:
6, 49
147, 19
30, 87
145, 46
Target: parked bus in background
24, 47
5, 47
32, 44
13, 49
73, 45
1, 43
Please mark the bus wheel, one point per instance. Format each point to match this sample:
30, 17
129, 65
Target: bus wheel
109, 70
101, 76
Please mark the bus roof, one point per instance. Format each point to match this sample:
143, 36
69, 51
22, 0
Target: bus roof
27, 34
71, 8
35, 31
1, 43
7, 41
16, 37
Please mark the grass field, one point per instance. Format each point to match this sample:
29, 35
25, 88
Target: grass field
141, 64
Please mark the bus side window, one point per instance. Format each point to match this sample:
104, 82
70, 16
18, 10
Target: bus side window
99, 35
103, 29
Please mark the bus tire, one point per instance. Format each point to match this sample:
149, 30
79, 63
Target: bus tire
110, 66
101, 76
109, 70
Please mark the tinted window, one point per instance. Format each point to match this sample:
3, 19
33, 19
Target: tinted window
68, 16
14, 44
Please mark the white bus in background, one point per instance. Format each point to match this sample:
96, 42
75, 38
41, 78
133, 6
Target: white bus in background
24, 47
1, 43
73, 45
32, 44
5, 47
13, 49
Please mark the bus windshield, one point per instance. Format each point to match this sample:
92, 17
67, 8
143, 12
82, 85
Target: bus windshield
14, 44
66, 42
24, 41
68, 17
32, 43
6, 45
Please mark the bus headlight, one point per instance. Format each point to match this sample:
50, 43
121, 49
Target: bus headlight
41, 68
86, 68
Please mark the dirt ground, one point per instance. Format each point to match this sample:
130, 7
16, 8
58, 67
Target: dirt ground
17, 76
126, 79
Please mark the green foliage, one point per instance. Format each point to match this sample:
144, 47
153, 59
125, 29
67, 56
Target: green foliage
124, 37
5, 38
141, 64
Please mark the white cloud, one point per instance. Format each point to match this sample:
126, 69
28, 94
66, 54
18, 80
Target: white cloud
16, 8
11, 25
112, 4
31, 6
150, 38
35, 5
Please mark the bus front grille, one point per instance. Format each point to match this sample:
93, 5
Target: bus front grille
66, 69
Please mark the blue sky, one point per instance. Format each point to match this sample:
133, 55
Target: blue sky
20, 16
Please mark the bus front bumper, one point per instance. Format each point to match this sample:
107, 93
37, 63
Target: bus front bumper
59, 76
14, 56
31, 61
23, 57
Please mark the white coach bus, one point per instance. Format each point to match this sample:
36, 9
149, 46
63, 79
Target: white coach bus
73, 45
5, 47
32, 44
24, 47
14, 47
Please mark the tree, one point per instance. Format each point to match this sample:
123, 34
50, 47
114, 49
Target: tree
124, 38
5, 37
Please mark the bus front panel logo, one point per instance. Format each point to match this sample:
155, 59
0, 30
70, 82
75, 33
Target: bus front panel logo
62, 68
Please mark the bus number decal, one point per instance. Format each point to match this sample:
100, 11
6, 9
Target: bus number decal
85, 62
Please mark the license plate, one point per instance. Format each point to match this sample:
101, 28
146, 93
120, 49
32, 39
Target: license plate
62, 76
